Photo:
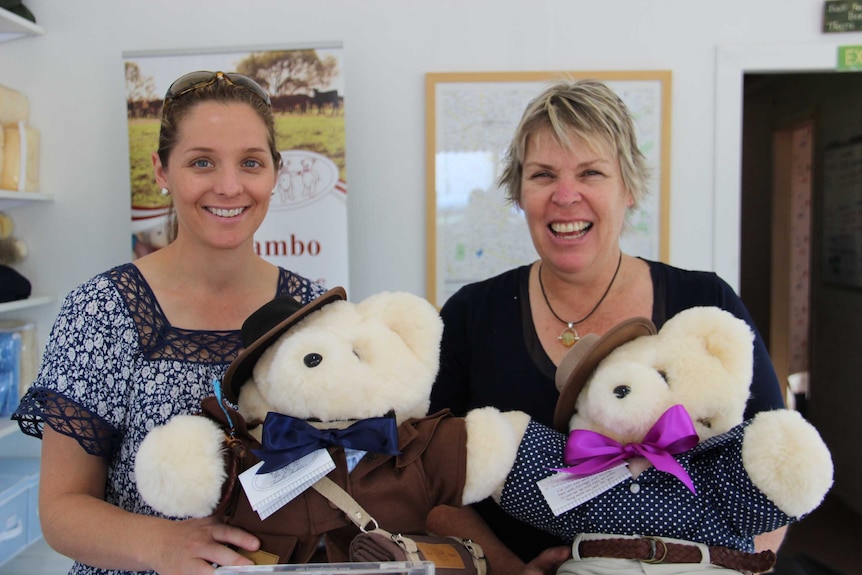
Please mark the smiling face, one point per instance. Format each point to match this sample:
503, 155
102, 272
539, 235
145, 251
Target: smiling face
220, 174
574, 200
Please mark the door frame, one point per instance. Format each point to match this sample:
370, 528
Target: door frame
732, 63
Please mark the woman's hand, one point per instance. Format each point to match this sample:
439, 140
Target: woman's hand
193, 546
548, 561
79, 523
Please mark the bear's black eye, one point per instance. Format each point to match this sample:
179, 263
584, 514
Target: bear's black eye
663, 375
622, 390
705, 422
312, 359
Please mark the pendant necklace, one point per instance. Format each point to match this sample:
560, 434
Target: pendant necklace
569, 336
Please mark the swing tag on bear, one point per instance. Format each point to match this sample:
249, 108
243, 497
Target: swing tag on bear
269, 492
563, 491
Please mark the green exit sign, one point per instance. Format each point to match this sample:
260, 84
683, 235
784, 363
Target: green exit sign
850, 57
842, 16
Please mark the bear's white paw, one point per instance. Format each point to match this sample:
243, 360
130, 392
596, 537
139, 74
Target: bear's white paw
787, 460
179, 468
492, 444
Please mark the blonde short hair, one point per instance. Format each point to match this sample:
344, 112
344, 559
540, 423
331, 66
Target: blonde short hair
590, 111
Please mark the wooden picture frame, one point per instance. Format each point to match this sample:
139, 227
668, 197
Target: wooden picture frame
472, 232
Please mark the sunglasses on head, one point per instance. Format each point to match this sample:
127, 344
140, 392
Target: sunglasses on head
194, 80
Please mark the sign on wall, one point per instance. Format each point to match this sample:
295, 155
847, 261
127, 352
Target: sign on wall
842, 16
305, 229
849, 58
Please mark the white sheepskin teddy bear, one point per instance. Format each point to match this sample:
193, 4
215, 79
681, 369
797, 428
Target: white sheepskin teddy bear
356, 374
700, 482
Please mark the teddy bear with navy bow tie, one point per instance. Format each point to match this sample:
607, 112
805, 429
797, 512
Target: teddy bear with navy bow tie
700, 482
351, 381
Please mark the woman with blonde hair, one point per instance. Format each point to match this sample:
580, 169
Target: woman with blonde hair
575, 170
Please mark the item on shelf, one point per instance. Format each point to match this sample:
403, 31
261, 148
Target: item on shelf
14, 106
28, 361
10, 372
12, 249
13, 286
20, 158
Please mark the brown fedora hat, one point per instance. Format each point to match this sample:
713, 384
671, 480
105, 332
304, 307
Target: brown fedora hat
580, 362
263, 327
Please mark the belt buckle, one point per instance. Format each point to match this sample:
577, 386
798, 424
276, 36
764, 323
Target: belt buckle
656, 545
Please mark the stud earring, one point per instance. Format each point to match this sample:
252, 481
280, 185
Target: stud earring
165, 192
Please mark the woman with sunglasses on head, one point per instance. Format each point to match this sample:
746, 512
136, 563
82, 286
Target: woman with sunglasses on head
143, 342
575, 170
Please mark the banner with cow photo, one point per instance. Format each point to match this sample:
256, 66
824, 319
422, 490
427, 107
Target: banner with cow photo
306, 227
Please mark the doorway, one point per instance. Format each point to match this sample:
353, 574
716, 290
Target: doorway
776, 190
780, 93
794, 74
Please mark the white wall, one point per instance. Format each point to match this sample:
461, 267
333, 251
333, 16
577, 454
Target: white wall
74, 78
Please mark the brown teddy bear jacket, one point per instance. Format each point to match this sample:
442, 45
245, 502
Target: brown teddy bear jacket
398, 491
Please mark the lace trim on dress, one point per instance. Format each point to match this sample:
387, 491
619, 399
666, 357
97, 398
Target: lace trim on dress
41, 405
158, 338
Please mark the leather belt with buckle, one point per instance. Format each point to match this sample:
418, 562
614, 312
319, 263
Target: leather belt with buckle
657, 550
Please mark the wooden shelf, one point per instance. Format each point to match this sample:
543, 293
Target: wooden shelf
13, 26
32, 301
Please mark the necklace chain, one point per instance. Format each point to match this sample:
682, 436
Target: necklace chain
569, 336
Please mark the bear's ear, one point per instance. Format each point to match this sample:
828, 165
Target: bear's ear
412, 318
725, 337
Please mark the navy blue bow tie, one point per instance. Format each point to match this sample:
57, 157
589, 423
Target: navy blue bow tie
286, 439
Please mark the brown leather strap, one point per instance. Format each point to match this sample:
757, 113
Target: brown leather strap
656, 550
235, 451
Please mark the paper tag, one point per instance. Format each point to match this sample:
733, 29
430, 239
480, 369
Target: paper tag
564, 491
269, 492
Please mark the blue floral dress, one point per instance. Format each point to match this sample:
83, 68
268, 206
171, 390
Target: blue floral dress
114, 368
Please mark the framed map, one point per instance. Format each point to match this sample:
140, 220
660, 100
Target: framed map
472, 232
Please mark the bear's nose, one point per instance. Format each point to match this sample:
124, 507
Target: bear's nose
621, 391
312, 359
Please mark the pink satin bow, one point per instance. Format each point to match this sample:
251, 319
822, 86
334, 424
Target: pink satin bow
589, 452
